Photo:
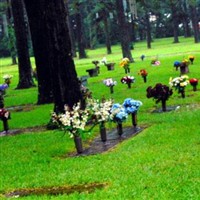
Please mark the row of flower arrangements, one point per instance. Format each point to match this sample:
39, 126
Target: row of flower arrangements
162, 92
178, 83
109, 82
75, 120
125, 62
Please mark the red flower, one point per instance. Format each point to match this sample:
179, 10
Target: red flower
193, 81
4, 113
143, 72
127, 79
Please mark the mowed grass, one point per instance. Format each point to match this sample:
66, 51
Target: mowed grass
162, 162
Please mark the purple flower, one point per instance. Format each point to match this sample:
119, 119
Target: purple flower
3, 86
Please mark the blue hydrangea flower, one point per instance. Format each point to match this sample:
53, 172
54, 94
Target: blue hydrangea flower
131, 105
177, 64
118, 113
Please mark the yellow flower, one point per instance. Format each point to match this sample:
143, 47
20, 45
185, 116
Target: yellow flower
184, 77
191, 56
124, 62
185, 60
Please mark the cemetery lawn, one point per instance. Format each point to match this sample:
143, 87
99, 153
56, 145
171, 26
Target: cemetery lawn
161, 162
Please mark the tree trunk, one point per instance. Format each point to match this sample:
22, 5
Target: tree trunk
4, 25
148, 31
124, 34
25, 75
11, 34
52, 48
194, 18
107, 33
186, 27
80, 34
71, 33
174, 20
40, 47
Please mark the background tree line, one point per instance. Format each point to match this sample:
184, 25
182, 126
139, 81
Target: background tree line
94, 23
55, 31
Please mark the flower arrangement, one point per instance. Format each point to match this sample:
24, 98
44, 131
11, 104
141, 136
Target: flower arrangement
131, 106
194, 83
7, 78
125, 64
100, 111
110, 83
191, 58
4, 114
185, 61
73, 121
100, 114
155, 62
184, 66
104, 60
161, 93
177, 64
144, 74
118, 113
128, 80
179, 83
3, 87
110, 66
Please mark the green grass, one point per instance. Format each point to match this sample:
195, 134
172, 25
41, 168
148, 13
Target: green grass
162, 162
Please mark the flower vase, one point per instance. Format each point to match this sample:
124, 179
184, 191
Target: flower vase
145, 79
182, 94
134, 119
164, 105
194, 88
119, 129
5, 124
191, 60
98, 69
129, 85
110, 66
103, 132
127, 70
78, 144
112, 89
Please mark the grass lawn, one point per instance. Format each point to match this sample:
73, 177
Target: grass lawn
162, 162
